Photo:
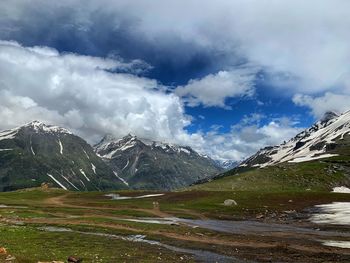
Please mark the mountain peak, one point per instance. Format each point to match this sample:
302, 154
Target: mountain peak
39, 126
329, 115
317, 142
108, 138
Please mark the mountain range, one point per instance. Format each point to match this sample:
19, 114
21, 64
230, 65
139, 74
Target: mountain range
147, 164
37, 153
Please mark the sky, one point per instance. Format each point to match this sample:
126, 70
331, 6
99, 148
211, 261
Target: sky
225, 77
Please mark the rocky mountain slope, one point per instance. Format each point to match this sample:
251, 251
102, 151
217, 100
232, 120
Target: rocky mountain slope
227, 164
144, 164
316, 158
322, 140
37, 153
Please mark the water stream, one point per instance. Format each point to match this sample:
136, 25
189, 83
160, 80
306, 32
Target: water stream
199, 255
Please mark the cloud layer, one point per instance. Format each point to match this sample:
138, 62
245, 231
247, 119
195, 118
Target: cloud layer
299, 49
87, 95
303, 46
79, 92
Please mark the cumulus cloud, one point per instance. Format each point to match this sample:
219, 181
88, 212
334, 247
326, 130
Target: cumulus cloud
80, 93
246, 138
307, 41
214, 89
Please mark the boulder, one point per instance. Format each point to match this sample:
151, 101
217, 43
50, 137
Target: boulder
230, 202
74, 259
3, 251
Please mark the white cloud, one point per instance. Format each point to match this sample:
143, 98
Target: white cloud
303, 45
306, 40
77, 92
244, 138
214, 89
321, 104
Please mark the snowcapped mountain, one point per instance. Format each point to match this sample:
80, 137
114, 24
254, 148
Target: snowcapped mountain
226, 164
323, 140
37, 153
146, 164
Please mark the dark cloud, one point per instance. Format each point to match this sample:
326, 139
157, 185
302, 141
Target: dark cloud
101, 31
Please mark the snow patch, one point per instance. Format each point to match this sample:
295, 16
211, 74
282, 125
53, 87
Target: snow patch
31, 148
310, 158
5, 150
70, 182
83, 173
87, 156
61, 146
53, 178
185, 151
93, 167
127, 163
121, 179
82, 183
7, 135
341, 189
332, 243
336, 213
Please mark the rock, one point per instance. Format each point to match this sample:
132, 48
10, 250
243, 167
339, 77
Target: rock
230, 202
259, 216
73, 259
44, 186
10, 258
3, 251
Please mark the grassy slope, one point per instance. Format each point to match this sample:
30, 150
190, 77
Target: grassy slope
319, 175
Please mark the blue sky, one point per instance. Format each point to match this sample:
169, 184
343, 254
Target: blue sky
226, 77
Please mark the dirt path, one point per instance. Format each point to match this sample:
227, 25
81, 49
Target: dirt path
59, 202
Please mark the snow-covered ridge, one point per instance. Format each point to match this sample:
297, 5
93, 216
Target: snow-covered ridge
38, 126
8, 134
110, 146
310, 144
226, 164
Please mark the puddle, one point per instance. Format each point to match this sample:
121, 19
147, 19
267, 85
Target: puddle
337, 213
160, 221
12, 206
236, 227
55, 229
252, 227
200, 255
119, 197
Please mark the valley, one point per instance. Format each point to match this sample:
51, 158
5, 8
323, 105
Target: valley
187, 226
134, 200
